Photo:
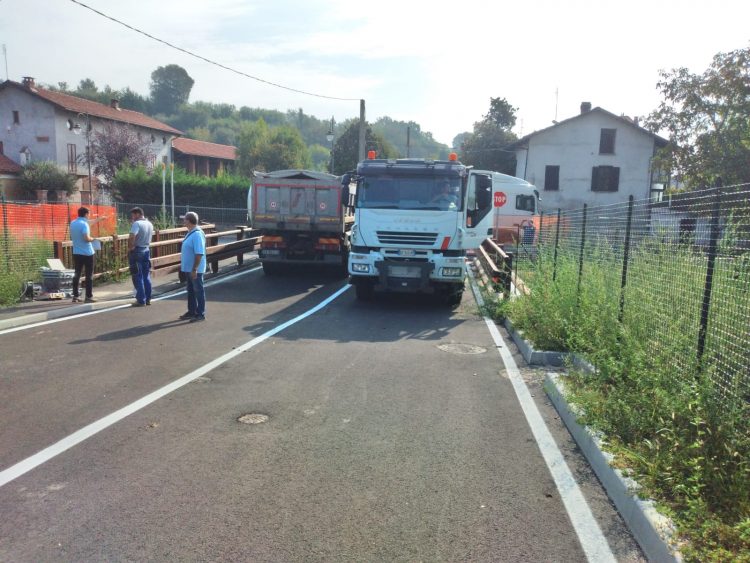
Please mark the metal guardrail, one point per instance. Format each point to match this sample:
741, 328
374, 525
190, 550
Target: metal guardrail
165, 250
497, 264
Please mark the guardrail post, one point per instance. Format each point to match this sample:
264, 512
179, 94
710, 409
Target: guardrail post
708, 287
626, 255
580, 257
240, 236
557, 241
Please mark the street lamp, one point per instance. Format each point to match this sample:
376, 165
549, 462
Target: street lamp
329, 138
77, 131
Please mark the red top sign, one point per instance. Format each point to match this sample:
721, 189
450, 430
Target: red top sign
500, 199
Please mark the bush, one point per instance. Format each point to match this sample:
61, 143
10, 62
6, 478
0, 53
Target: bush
46, 175
138, 184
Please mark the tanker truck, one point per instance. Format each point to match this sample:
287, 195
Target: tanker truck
415, 219
305, 217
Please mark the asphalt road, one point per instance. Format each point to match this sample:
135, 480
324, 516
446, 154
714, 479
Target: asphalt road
393, 434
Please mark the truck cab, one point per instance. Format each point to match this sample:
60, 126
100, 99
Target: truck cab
415, 219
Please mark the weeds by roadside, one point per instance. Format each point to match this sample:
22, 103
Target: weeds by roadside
679, 425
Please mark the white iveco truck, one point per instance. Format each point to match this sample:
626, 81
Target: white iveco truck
415, 219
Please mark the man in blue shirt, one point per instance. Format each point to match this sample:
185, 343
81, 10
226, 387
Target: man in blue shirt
139, 256
193, 265
83, 254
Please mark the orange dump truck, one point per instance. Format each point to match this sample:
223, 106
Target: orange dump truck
305, 217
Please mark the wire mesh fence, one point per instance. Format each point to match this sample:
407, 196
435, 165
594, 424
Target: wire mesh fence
673, 273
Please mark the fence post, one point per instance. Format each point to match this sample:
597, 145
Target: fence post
557, 240
518, 256
539, 239
5, 234
626, 255
708, 287
583, 244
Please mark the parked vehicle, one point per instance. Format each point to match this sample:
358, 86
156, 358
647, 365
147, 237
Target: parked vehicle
305, 217
415, 219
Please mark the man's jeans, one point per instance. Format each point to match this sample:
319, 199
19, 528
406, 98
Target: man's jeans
196, 296
140, 270
83, 262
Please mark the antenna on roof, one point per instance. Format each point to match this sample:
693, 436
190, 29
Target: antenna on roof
5, 55
557, 99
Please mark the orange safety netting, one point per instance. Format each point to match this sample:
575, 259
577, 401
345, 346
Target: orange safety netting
51, 221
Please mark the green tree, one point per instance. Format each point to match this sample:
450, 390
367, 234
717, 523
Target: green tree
285, 150
346, 148
45, 175
707, 117
486, 148
320, 157
252, 138
170, 88
421, 143
115, 146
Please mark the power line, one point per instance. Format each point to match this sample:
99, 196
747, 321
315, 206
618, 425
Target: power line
209, 60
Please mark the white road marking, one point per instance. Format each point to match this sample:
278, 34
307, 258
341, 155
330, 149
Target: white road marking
592, 540
22, 467
125, 306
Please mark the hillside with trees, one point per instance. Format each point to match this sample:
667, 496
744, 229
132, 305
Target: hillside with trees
266, 139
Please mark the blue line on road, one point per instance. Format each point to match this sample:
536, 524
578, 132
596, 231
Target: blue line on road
22, 467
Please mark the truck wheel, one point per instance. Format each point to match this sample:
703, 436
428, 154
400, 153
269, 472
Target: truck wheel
365, 290
454, 297
271, 268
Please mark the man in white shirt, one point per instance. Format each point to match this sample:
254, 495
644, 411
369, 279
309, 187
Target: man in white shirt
139, 256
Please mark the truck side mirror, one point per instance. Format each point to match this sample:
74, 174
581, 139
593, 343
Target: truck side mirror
346, 179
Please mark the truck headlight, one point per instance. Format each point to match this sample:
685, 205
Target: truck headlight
354, 233
451, 272
361, 268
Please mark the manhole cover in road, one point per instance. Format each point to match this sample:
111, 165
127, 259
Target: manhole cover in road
458, 348
253, 418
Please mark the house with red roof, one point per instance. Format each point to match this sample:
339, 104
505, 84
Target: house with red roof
203, 158
38, 124
9, 175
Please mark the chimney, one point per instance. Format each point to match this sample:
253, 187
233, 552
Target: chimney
585, 107
28, 81
637, 121
114, 103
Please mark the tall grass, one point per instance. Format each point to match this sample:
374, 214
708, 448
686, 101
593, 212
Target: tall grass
20, 260
680, 426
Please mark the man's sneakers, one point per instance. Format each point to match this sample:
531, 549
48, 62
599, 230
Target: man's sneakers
198, 318
89, 300
76, 300
187, 316
138, 304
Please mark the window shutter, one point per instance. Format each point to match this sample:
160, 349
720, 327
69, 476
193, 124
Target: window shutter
615, 180
594, 178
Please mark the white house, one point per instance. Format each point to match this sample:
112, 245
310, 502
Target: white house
38, 124
596, 157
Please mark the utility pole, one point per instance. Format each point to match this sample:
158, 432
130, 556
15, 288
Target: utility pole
408, 141
362, 129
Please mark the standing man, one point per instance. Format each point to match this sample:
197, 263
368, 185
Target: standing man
193, 265
139, 256
83, 254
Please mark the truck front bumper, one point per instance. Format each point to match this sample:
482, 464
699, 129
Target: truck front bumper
407, 275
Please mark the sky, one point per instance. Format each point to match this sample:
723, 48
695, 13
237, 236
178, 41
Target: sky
436, 63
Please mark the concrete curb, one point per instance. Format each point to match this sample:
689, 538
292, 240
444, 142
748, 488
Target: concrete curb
124, 301
651, 529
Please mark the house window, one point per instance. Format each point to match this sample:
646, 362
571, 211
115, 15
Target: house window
72, 159
151, 162
551, 178
24, 156
16, 118
607, 141
605, 178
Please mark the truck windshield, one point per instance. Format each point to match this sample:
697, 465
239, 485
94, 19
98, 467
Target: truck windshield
436, 193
